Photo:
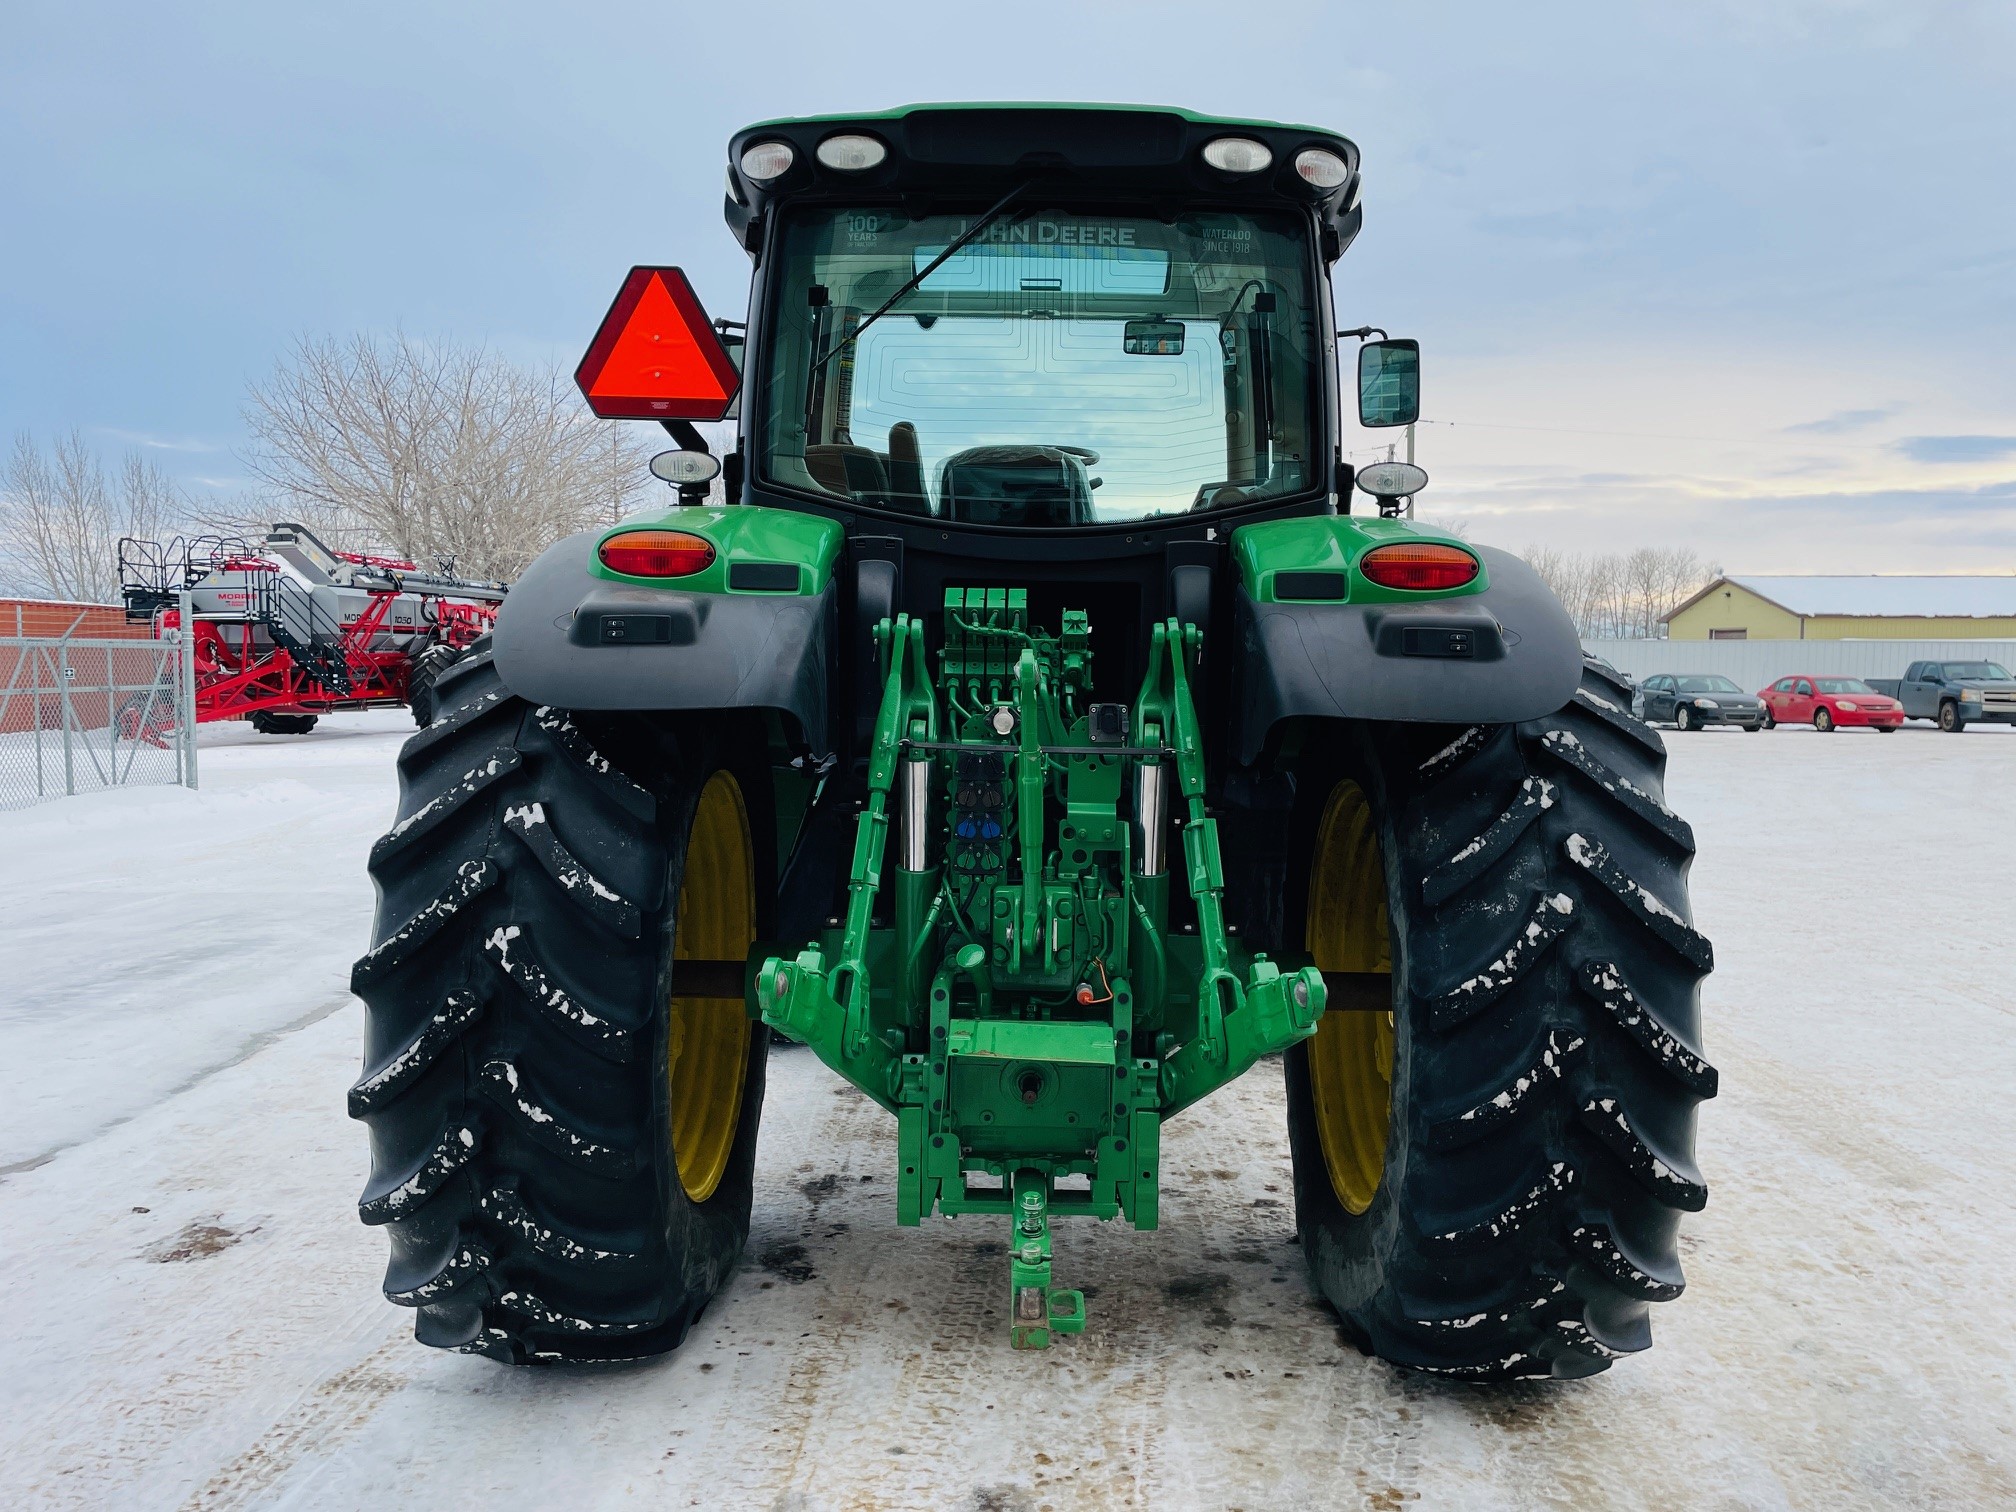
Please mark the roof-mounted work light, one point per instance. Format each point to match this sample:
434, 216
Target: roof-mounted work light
851, 152
1320, 168
767, 160
1237, 155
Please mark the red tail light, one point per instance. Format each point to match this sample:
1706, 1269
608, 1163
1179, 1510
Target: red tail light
657, 553
1422, 565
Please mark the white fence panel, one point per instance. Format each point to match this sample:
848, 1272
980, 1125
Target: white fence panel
1753, 663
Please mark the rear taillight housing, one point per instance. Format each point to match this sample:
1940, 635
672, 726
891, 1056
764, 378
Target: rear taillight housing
1419, 566
657, 553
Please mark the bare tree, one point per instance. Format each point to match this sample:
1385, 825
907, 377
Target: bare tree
1624, 595
61, 517
1558, 571
434, 449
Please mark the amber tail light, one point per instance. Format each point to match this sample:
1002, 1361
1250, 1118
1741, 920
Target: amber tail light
1418, 566
657, 553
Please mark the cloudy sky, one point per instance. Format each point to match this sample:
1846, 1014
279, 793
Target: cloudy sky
1733, 275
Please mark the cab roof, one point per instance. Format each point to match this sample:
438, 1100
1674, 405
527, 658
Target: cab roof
898, 112
1147, 156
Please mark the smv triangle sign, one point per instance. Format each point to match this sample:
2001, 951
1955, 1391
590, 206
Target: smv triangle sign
656, 355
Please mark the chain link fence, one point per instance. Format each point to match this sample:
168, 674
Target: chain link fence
78, 715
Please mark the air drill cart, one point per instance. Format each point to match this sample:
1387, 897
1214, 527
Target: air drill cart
1040, 735
288, 629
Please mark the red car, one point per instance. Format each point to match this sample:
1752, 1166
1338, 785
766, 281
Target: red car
1826, 703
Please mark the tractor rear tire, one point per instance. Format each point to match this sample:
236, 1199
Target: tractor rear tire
421, 682
1489, 1181
562, 1151
281, 724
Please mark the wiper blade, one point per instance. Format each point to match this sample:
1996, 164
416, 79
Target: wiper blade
958, 243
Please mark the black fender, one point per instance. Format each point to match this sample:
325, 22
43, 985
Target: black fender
569, 638
1507, 654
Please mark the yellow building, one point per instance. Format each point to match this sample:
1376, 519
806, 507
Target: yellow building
1873, 607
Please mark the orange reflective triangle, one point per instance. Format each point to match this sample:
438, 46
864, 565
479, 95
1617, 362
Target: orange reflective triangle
656, 356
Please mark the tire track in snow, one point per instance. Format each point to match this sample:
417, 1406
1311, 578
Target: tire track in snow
845, 1131
318, 1421
912, 1364
263, 1040
909, 1364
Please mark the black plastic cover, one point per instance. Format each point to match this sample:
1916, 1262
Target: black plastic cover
568, 638
1508, 654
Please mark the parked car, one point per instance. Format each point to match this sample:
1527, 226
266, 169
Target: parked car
1827, 703
1691, 700
1955, 694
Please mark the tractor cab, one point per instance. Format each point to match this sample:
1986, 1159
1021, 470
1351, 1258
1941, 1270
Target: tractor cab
1015, 319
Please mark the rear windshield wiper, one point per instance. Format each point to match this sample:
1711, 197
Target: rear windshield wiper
963, 239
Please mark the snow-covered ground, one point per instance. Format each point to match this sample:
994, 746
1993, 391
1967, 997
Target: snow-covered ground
189, 1313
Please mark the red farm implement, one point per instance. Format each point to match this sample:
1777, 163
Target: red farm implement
288, 630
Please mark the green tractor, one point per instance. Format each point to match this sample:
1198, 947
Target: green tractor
1038, 734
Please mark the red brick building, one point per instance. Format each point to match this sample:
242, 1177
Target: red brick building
54, 617
25, 699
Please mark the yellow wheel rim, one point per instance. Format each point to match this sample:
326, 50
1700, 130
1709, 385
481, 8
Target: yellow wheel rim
707, 1039
1350, 1058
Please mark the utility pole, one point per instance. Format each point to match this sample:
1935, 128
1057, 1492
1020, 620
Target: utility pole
1410, 458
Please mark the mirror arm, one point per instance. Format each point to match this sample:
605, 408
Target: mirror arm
1361, 332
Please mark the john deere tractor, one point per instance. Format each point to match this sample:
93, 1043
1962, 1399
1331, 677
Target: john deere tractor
1036, 716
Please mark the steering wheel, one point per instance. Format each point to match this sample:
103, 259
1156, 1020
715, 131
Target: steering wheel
1084, 454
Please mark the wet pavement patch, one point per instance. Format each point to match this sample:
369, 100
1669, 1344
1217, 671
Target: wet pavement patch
1210, 1289
1195, 1288
787, 1262
196, 1241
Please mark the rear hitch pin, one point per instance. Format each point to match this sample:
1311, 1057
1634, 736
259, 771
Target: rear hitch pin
1036, 1311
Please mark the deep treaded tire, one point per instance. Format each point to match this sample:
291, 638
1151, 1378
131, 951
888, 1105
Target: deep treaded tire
515, 1081
1546, 1056
280, 724
420, 682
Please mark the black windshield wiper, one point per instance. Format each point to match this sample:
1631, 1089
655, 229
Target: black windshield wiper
963, 239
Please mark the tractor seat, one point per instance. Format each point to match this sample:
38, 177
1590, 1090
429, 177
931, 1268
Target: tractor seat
853, 472
906, 470
1016, 485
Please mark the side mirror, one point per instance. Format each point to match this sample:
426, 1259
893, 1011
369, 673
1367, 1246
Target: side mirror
1389, 383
